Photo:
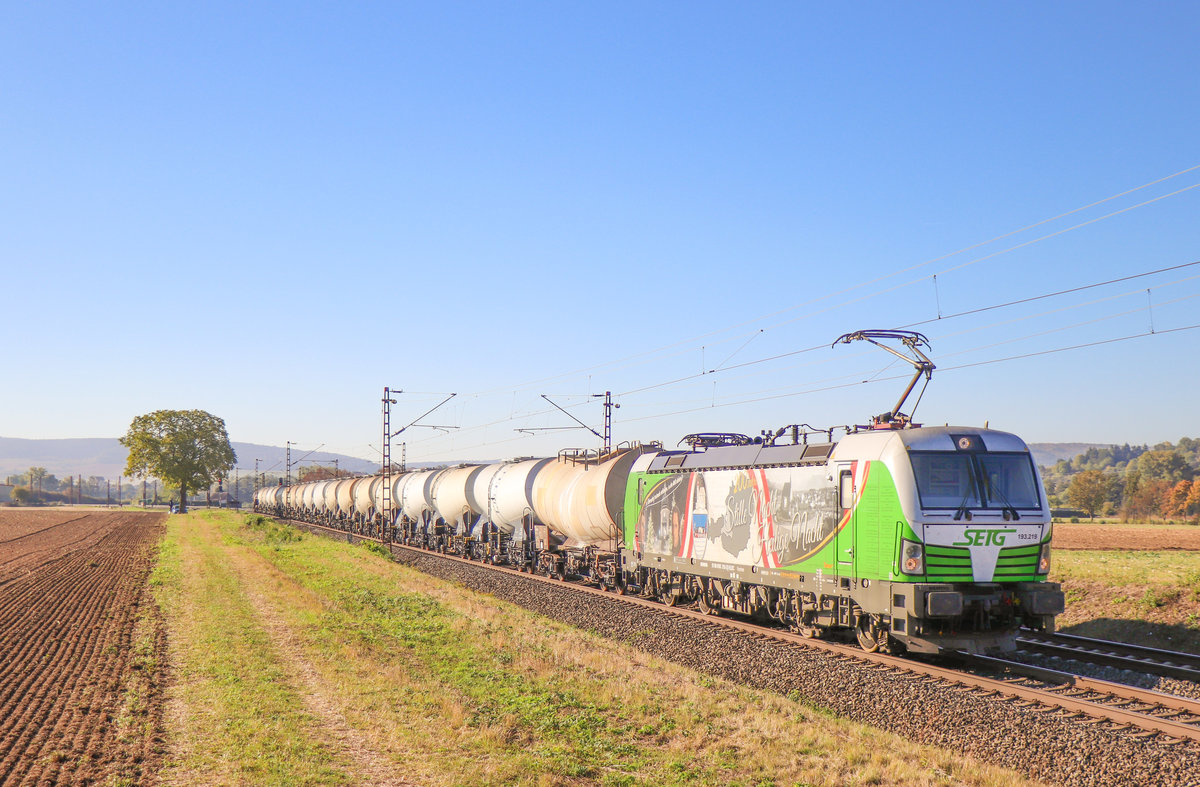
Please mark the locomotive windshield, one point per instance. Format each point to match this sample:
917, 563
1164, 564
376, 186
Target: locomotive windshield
985, 480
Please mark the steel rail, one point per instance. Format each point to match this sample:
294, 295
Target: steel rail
1117, 692
1120, 716
1167, 663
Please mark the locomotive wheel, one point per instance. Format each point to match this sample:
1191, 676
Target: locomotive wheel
866, 635
705, 606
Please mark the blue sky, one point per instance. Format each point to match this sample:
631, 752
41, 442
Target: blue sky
272, 211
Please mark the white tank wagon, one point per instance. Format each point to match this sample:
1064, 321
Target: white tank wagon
316, 507
582, 499
329, 504
510, 501
397, 481
549, 488
344, 498
477, 494
291, 499
306, 496
415, 504
265, 498
277, 496
363, 497
448, 496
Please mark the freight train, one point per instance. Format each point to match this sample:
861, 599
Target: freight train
925, 539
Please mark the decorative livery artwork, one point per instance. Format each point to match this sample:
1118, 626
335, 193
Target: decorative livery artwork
663, 506
774, 517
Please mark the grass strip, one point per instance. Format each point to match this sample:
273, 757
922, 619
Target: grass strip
233, 716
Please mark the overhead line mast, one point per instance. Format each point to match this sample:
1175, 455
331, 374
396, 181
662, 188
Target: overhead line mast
386, 448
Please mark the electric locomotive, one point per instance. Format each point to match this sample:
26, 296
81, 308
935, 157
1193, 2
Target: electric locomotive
926, 538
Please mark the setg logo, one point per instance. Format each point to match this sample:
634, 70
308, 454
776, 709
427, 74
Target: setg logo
977, 537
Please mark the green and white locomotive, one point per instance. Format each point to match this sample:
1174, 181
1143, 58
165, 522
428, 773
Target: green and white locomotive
928, 537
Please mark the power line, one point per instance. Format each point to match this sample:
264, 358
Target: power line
1011, 233
1055, 294
792, 353
858, 377
905, 376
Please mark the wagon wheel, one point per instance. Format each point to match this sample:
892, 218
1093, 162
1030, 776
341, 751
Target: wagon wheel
867, 639
669, 597
708, 596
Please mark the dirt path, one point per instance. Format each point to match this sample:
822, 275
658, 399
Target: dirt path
76, 629
257, 576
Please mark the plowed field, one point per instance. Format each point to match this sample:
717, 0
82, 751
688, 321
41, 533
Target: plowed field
80, 647
1141, 538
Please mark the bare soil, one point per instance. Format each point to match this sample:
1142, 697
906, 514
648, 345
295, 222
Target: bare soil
1142, 538
78, 704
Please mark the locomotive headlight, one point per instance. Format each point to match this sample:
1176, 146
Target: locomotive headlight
1044, 559
912, 557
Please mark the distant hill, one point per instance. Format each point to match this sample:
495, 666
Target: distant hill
105, 457
1046, 454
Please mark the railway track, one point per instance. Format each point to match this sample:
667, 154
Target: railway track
1139, 658
1138, 711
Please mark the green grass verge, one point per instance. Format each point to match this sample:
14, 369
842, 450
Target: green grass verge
1159, 569
242, 721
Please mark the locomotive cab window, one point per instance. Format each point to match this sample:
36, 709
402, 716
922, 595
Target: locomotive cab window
1008, 480
846, 489
985, 480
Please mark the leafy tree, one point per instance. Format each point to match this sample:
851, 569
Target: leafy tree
1166, 464
1089, 491
189, 448
1176, 502
36, 475
320, 473
20, 495
1146, 501
1193, 499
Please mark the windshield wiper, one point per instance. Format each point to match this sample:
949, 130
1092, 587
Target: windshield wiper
962, 507
1009, 508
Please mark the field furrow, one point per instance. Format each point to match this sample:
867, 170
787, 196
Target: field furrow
68, 616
